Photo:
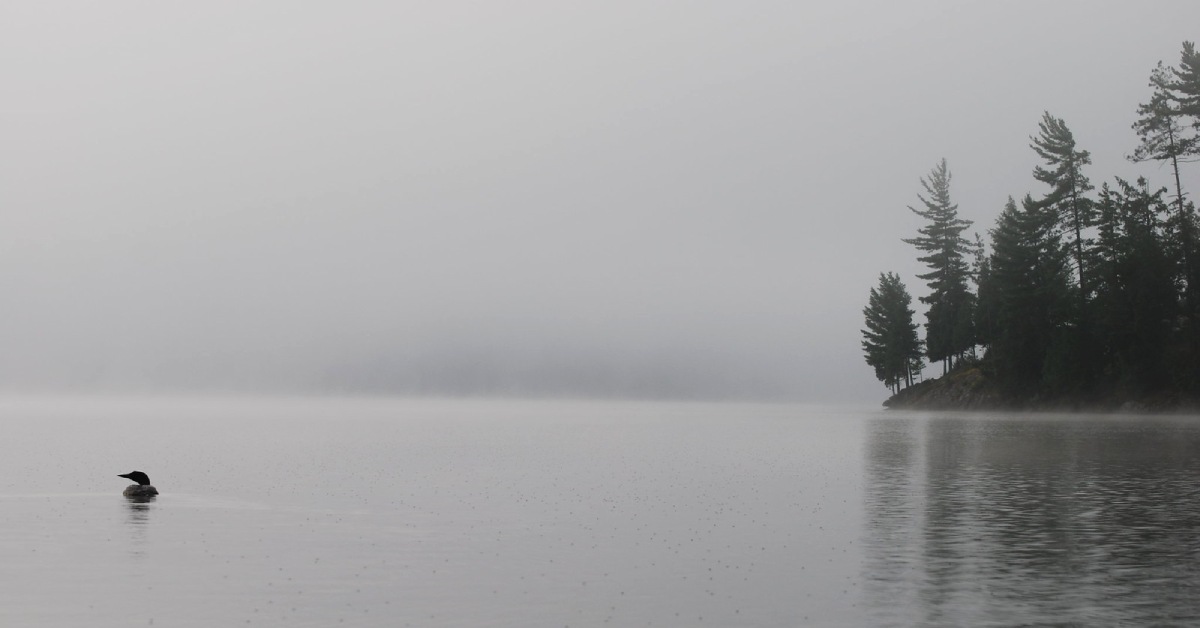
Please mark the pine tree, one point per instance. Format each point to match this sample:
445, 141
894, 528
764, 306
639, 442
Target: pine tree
890, 341
1164, 137
1160, 126
1028, 292
1136, 289
1169, 127
949, 331
1063, 172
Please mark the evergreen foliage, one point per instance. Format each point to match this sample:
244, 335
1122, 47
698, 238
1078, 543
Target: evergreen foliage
1063, 172
950, 328
987, 304
890, 340
1079, 299
1185, 88
1165, 137
1028, 292
1136, 294
1161, 126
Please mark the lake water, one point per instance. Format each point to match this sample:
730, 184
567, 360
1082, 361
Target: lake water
325, 512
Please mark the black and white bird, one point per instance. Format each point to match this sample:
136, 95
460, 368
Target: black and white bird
140, 490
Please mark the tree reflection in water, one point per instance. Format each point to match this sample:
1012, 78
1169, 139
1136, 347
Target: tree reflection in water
1032, 520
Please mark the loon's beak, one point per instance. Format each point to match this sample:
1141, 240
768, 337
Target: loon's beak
125, 475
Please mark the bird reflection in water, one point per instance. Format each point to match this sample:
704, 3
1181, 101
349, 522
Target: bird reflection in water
137, 518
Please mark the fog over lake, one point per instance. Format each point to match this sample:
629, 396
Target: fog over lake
666, 199
545, 314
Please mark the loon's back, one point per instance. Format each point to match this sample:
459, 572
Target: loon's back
140, 490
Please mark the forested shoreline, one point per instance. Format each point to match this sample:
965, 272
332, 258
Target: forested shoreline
1080, 297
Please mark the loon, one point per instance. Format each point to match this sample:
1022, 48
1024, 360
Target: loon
141, 490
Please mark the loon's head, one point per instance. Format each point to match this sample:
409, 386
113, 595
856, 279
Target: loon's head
137, 476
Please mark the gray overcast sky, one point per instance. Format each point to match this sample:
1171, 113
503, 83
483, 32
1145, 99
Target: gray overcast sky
614, 198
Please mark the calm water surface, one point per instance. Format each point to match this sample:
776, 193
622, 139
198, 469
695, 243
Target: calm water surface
322, 512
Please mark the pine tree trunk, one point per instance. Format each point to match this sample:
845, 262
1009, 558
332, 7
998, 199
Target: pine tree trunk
1078, 241
1185, 226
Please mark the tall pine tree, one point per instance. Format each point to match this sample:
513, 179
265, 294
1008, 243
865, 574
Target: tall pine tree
1063, 172
1161, 129
1165, 137
949, 330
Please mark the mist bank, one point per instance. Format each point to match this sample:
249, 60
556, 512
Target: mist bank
470, 371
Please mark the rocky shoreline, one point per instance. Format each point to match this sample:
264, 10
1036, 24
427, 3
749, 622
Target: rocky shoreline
969, 388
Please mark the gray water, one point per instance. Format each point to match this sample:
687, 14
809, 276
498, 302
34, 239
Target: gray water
324, 512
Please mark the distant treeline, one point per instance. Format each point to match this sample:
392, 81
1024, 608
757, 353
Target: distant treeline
1085, 294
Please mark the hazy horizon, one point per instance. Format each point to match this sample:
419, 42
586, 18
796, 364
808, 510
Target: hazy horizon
669, 199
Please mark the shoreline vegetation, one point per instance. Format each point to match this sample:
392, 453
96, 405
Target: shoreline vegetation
971, 387
1079, 299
